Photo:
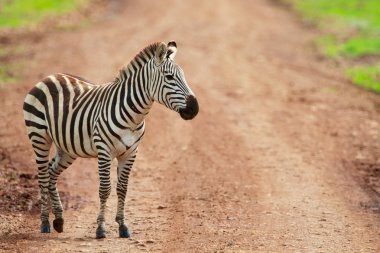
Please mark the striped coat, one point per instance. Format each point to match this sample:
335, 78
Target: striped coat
81, 119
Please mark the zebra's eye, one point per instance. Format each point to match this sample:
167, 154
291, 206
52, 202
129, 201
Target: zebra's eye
170, 77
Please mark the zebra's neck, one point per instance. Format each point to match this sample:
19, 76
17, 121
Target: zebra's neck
131, 99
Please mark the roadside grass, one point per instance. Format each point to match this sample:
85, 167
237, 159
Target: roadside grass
7, 67
27, 14
6, 75
367, 77
352, 32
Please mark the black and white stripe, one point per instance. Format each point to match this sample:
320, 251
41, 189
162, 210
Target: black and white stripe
106, 121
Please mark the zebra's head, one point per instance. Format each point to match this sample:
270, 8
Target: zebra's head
170, 87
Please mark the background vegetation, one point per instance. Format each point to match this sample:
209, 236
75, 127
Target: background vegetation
352, 32
27, 13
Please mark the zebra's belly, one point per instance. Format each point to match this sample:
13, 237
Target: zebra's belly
76, 145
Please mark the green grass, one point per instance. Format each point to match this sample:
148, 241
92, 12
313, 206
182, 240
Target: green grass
352, 48
352, 32
5, 74
366, 77
328, 46
28, 13
15, 14
6, 67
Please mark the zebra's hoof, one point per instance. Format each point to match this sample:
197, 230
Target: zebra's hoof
124, 232
100, 232
45, 227
58, 225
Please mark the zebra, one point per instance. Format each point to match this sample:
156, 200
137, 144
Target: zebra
82, 119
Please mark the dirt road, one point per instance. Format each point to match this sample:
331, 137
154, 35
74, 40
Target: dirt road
278, 159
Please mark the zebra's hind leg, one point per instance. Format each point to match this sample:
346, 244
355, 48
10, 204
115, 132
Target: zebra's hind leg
41, 143
123, 169
60, 162
104, 163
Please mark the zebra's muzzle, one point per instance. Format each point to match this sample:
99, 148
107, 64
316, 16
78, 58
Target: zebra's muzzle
191, 109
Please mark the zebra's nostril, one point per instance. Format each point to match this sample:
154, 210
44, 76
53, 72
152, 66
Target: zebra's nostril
191, 109
192, 104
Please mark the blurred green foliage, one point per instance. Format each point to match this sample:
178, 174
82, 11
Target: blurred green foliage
27, 13
352, 30
367, 77
5, 74
353, 48
9, 67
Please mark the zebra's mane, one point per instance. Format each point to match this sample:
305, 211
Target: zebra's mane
141, 58
147, 53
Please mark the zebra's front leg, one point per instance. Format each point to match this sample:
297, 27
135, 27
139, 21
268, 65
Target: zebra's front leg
123, 169
104, 162
59, 164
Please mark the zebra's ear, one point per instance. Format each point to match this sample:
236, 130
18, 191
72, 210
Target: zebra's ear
161, 51
172, 50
